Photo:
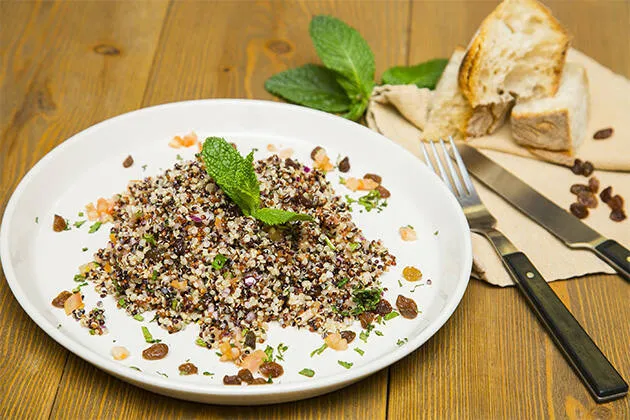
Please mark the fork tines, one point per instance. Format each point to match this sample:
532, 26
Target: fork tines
452, 178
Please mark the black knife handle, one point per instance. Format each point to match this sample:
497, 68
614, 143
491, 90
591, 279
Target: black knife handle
616, 256
599, 375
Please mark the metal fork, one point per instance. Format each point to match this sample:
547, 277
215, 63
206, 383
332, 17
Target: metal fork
600, 377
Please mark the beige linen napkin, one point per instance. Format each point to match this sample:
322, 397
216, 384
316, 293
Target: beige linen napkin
610, 102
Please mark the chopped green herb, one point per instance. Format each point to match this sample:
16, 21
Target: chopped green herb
377, 332
269, 380
135, 368
269, 353
436, 232
218, 353
160, 373
319, 350
416, 286
138, 317
79, 223
37, 220
95, 227
358, 350
78, 288
122, 303
175, 304
353, 246
206, 373
79, 278
307, 372
219, 261
67, 225
391, 315
365, 299
85, 248
401, 342
342, 180
179, 157
363, 335
379, 320
329, 243
281, 349
80, 214
371, 201
148, 337
343, 282
410, 227
58, 326
154, 276
92, 332
399, 283
149, 238
199, 341
144, 167
347, 365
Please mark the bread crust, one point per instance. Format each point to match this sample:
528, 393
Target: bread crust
468, 77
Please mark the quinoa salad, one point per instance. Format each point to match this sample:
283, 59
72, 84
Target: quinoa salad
270, 242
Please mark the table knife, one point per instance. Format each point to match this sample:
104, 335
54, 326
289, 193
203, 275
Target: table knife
543, 211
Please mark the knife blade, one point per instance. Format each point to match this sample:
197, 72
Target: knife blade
543, 211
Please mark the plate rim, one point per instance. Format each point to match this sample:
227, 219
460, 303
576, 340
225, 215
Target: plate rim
315, 386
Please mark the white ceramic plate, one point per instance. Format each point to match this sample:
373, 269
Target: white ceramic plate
39, 263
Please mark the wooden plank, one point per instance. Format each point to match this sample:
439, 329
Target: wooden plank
493, 359
219, 58
64, 67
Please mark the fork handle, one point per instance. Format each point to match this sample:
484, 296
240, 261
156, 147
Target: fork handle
603, 381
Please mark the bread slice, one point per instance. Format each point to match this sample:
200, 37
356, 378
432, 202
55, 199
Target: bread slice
450, 111
452, 115
519, 51
555, 123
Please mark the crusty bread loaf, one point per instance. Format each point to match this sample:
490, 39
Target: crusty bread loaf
518, 51
450, 111
451, 114
555, 123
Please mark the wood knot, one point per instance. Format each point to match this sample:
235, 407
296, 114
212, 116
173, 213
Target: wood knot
227, 69
279, 46
601, 412
105, 49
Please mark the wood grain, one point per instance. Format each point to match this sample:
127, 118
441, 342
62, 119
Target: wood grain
233, 61
65, 66
63, 69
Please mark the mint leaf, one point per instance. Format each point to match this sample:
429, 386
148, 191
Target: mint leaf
342, 49
310, 85
356, 111
233, 173
279, 217
424, 75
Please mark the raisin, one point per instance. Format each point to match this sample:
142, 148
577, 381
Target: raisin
188, 369
606, 194
291, 163
59, 224
246, 376
231, 380
587, 168
155, 352
604, 133
259, 381
616, 202
154, 254
593, 185
250, 340
588, 199
344, 165
407, 307
373, 177
411, 273
349, 336
578, 188
179, 247
579, 210
383, 307
366, 319
61, 299
383, 192
315, 151
128, 162
617, 215
577, 167
271, 369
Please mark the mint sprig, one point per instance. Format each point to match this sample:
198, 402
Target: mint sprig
310, 85
235, 175
424, 75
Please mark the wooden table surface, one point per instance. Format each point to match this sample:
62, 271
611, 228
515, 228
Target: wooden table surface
67, 65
